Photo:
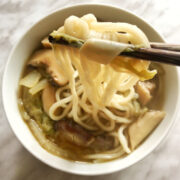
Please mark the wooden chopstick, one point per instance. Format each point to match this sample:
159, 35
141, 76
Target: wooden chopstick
159, 52
165, 46
156, 55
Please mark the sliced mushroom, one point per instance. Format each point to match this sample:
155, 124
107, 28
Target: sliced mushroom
73, 133
48, 97
141, 128
45, 58
145, 90
77, 135
45, 42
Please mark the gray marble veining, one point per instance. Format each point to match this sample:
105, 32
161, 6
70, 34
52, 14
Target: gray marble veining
16, 16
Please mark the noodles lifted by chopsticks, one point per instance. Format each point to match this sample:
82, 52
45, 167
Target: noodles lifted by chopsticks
94, 89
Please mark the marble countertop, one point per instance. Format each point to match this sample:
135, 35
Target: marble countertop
16, 16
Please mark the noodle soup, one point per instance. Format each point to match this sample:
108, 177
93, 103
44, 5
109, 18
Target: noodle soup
82, 108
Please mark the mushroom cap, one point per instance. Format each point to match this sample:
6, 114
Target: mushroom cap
45, 58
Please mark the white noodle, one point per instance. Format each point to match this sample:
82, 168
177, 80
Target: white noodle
112, 154
123, 139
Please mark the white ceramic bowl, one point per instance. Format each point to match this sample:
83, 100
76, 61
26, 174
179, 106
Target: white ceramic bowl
31, 40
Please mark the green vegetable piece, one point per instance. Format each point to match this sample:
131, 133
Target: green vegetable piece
62, 38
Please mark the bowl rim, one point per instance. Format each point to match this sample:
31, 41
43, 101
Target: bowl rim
102, 172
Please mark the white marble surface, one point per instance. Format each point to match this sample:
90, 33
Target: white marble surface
16, 16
